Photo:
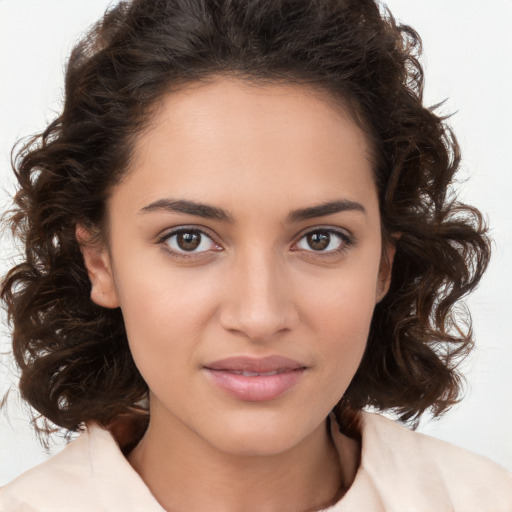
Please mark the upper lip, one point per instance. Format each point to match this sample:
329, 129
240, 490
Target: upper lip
255, 364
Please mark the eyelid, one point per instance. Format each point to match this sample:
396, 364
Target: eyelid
179, 228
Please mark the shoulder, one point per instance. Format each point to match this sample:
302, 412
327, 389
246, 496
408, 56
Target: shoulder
71, 468
89, 474
410, 467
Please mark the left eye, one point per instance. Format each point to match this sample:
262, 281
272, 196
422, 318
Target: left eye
322, 241
190, 241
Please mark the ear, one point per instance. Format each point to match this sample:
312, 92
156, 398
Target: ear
98, 265
386, 266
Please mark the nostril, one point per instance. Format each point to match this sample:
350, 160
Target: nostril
258, 325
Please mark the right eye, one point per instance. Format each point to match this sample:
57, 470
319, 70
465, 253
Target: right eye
189, 241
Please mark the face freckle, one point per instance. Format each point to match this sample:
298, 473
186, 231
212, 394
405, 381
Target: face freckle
247, 234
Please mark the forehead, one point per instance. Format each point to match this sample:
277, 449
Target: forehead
236, 107
230, 138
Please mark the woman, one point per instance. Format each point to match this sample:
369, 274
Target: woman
239, 234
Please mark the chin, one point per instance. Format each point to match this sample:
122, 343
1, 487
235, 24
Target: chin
260, 433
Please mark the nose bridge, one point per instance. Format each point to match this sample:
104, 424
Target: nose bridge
259, 303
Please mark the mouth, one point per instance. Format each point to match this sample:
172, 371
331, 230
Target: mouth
254, 374
255, 365
255, 379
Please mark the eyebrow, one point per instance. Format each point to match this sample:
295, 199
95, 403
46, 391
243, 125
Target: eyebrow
190, 208
329, 208
211, 212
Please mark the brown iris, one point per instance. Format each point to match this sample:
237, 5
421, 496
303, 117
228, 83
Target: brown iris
318, 240
188, 241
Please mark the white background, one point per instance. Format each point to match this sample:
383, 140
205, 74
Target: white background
467, 47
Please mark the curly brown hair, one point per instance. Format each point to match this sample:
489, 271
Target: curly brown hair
74, 357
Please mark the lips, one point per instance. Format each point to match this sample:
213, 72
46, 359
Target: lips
255, 379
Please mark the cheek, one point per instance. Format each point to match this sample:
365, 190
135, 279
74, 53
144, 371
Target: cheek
342, 301
164, 314
339, 313
343, 328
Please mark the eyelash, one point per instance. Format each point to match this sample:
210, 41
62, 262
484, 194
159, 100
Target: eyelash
346, 240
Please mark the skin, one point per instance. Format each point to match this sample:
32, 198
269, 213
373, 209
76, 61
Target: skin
255, 287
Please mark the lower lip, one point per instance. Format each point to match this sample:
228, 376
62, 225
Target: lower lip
260, 388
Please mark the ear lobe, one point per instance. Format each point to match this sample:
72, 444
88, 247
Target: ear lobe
97, 263
385, 270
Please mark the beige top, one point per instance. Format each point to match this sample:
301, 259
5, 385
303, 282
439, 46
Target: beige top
400, 471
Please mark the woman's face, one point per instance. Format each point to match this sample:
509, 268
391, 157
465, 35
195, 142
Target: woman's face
245, 253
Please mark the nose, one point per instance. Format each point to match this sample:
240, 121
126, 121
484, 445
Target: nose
259, 301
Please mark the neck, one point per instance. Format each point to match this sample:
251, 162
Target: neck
186, 473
